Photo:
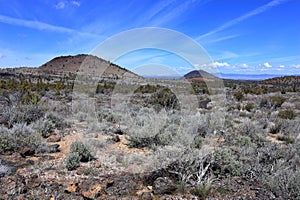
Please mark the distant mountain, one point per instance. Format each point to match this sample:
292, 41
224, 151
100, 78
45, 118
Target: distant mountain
288, 80
83, 63
199, 75
247, 76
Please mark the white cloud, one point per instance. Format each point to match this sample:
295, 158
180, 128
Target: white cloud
60, 5
267, 65
281, 66
296, 66
76, 3
216, 64
1, 55
244, 66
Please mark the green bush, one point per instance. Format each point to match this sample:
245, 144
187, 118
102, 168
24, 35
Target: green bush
277, 101
202, 191
20, 136
26, 114
147, 89
84, 151
164, 98
249, 107
228, 163
73, 161
198, 142
287, 114
58, 121
45, 127
239, 96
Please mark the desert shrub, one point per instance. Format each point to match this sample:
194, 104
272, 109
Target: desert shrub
282, 174
227, 163
277, 101
105, 87
181, 188
44, 126
239, 96
247, 128
202, 191
243, 140
141, 142
84, 151
164, 98
108, 117
253, 131
198, 143
20, 136
26, 114
280, 126
249, 106
238, 106
58, 121
285, 183
264, 103
73, 161
287, 114
147, 89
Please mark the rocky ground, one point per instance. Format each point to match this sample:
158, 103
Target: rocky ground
26, 175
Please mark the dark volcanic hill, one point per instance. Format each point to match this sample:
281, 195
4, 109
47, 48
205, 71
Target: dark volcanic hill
84, 64
199, 75
287, 80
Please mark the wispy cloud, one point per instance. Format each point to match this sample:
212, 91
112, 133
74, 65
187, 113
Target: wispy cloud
60, 5
173, 12
217, 39
156, 9
76, 3
250, 14
63, 4
41, 26
1, 56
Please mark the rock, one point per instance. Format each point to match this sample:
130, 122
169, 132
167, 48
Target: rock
4, 170
149, 187
54, 138
116, 138
73, 187
163, 185
123, 186
53, 148
147, 196
109, 182
26, 151
91, 189
44, 148
80, 170
20, 171
97, 164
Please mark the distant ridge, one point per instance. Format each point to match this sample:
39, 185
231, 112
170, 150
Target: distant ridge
86, 64
198, 75
288, 80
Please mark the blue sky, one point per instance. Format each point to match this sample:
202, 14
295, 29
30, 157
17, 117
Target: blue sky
244, 37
